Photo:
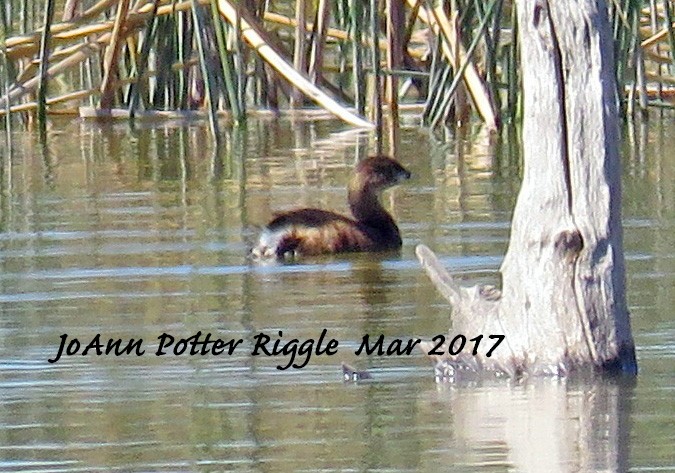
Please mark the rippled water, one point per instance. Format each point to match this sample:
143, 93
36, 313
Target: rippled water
136, 233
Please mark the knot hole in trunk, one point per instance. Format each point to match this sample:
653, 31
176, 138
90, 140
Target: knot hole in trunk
569, 243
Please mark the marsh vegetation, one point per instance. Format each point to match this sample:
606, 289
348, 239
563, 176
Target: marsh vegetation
363, 61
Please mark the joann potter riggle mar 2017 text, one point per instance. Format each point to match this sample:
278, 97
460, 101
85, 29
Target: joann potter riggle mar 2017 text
201, 344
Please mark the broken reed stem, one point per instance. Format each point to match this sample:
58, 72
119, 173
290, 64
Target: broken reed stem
110, 61
255, 36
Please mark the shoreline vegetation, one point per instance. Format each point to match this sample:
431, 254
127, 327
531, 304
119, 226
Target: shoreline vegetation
363, 61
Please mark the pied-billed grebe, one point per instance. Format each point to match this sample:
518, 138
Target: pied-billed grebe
316, 231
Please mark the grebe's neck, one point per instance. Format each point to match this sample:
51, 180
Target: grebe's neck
364, 202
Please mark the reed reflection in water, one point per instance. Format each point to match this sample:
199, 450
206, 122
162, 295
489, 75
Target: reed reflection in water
133, 233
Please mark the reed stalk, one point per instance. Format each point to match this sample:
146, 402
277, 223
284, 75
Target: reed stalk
512, 78
183, 38
24, 19
299, 47
207, 71
492, 77
226, 64
356, 32
341, 19
6, 69
44, 64
240, 63
318, 42
142, 63
639, 82
69, 10
653, 23
376, 111
395, 34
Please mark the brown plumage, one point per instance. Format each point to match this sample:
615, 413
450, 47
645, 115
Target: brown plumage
316, 231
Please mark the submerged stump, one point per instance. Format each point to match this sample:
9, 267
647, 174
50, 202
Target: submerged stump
562, 305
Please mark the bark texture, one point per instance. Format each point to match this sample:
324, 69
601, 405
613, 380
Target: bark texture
562, 305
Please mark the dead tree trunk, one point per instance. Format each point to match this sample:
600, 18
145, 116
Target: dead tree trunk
562, 305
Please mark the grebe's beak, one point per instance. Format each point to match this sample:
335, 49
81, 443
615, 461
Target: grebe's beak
404, 175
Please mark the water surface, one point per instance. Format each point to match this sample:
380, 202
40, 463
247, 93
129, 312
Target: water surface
136, 233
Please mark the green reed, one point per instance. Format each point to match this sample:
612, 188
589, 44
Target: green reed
44, 62
141, 65
208, 73
356, 29
375, 63
512, 79
6, 73
227, 65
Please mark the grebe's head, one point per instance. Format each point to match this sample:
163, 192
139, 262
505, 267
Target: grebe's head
380, 172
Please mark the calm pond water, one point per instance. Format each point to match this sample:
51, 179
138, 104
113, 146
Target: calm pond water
136, 233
